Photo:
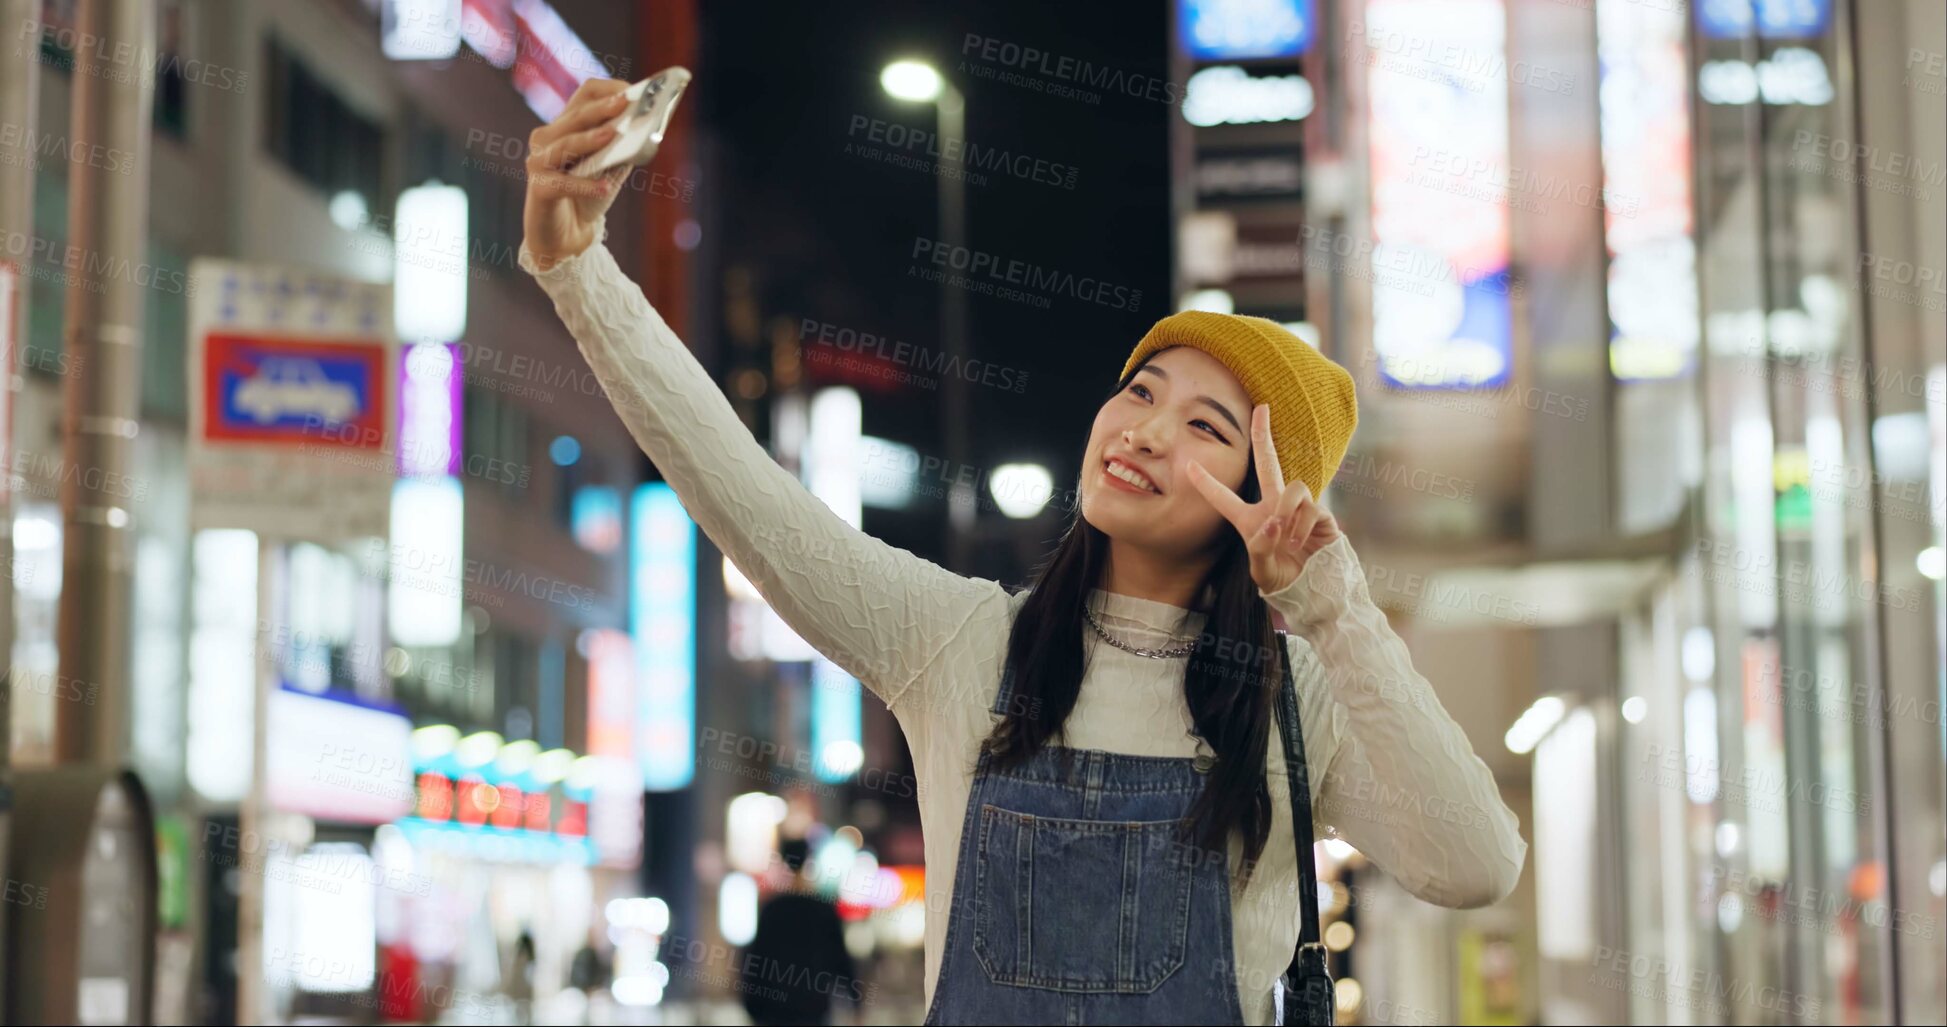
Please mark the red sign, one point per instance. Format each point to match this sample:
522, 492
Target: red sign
294, 392
478, 800
435, 797
474, 802
611, 693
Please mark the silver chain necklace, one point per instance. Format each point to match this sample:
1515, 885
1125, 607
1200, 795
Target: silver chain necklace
1155, 654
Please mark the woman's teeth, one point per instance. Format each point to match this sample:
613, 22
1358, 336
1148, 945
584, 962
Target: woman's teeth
1132, 477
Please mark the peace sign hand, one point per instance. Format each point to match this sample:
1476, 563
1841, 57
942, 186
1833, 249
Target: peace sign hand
1284, 529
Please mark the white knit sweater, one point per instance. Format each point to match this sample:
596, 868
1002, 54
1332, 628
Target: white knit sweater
1391, 772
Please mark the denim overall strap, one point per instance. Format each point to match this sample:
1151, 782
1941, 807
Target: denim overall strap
1076, 899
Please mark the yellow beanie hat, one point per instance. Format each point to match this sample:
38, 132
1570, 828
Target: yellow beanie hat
1313, 408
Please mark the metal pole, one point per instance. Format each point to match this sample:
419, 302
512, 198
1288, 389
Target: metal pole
962, 498
19, 110
253, 815
108, 230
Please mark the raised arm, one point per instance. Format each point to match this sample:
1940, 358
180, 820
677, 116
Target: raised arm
879, 612
1400, 783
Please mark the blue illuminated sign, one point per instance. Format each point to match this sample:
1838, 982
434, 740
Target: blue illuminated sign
1770, 19
662, 622
835, 722
1242, 30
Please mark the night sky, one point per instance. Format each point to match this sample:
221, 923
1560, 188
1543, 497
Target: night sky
832, 234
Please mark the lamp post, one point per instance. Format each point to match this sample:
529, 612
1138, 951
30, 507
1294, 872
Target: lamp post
917, 81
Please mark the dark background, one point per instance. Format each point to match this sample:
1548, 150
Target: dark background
828, 235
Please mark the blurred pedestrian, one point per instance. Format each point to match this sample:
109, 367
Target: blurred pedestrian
797, 962
520, 977
590, 970
1113, 766
590, 973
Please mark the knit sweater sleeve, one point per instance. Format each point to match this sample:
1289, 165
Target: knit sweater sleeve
1399, 780
880, 613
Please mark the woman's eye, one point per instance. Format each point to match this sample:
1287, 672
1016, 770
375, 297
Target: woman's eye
1139, 390
1207, 426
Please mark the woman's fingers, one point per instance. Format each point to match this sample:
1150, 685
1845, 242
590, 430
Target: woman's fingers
595, 101
1294, 496
580, 127
548, 168
1270, 478
561, 153
1300, 522
1235, 510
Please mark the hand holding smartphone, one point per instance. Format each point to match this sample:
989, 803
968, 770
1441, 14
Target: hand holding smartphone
640, 126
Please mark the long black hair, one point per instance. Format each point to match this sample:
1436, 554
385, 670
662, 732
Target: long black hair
1236, 655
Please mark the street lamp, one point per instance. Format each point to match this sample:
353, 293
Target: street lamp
912, 80
920, 82
1021, 490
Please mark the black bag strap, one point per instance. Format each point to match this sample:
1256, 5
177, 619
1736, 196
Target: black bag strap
1301, 806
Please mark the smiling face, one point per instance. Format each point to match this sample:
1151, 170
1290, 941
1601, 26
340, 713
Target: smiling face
1180, 406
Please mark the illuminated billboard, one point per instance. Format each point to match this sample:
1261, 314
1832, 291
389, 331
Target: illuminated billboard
1645, 118
1439, 260
662, 621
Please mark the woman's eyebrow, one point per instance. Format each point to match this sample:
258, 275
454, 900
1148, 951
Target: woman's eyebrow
1224, 410
1219, 407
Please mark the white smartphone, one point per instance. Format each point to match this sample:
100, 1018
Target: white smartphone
641, 124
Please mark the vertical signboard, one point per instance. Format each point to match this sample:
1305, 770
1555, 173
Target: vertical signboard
1645, 115
662, 621
291, 378
1440, 261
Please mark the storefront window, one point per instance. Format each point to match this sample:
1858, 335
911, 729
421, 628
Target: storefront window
1793, 893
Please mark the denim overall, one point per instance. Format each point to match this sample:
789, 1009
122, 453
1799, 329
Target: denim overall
1076, 902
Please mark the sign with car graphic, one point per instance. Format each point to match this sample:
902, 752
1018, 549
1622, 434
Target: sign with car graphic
293, 410
290, 391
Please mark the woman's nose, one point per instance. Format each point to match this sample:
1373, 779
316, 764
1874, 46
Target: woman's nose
1143, 437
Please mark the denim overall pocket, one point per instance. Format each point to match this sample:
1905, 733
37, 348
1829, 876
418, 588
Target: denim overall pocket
1080, 906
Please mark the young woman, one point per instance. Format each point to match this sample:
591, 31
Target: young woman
1078, 745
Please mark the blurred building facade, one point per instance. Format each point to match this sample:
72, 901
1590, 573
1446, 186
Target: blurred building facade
318, 823
1648, 341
